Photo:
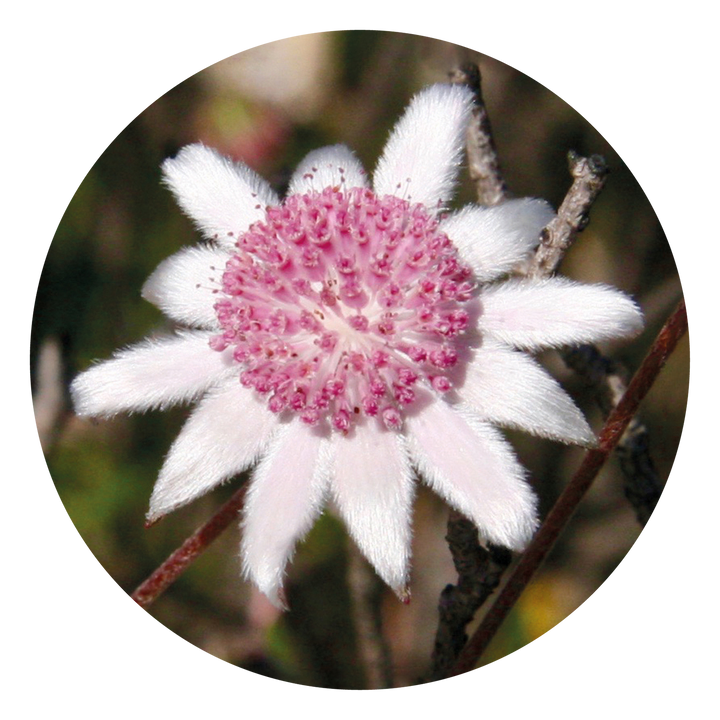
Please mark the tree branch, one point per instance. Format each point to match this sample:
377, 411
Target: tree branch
479, 570
589, 176
483, 163
165, 575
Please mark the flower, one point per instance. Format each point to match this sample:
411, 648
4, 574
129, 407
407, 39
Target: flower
352, 334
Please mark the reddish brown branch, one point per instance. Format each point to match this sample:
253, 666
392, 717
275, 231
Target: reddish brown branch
178, 562
557, 518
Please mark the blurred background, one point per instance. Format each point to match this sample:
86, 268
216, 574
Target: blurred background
267, 107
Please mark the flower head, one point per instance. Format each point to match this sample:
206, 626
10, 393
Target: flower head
350, 334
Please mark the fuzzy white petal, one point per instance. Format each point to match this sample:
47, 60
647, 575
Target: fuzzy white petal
555, 312
473, 467
507, 387
492, 240
184, 285
225, 434
222, 197
421, 158
285, 497
373, 488
155, 373
334, 166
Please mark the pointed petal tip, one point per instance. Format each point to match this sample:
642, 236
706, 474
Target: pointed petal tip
422, 156
534, 402
274, 594
280, 600
517, 531
184, 285
158, 509
515, 537
556, 312
152, 520
494, 240
85, 397
636, 320
591, 443
154, 515
577, 431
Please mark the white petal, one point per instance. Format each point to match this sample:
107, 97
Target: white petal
509, 388
421, 158
184, 286
152, 374
221, 196
284, 499
334, 166
225, 434
492, 240
474, 468
555, 312
373, 488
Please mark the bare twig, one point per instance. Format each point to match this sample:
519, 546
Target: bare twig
479, 570
483, 163
557, 518
588, 179
165, 575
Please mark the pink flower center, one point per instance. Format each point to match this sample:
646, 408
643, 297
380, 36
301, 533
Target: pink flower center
339, 303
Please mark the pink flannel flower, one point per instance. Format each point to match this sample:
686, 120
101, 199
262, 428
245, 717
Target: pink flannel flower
350, 335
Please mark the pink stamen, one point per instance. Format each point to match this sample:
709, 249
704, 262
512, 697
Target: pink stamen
341, 304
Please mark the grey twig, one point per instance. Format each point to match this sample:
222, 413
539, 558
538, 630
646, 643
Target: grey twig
483, 163
573, 214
